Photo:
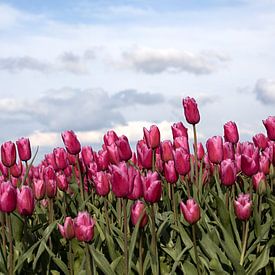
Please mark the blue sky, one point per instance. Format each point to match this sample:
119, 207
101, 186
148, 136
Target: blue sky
95, 65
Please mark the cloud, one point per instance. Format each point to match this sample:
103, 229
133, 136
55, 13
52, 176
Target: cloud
153, 61
265, 91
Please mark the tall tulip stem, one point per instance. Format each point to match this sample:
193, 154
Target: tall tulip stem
196, 154
81, 180
195, 248
3, 235
11, 267
154, 237
87, 260
125, 236
244, 241
174, 204
106, 215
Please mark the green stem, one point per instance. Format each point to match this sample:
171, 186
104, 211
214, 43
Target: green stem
119, 213
154, 160
125, 236
196, 154
245, 237
141, 252
87, 260
3, 234
71, 260
260, 217
195, 248
106, 215
154, 238
174, 204
11, 267
80, 179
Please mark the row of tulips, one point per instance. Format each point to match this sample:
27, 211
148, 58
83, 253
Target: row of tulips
118, 211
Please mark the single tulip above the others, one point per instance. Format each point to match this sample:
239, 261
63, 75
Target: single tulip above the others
67, 231
191, 211
8, 153
191, 111
243, 207
71, 142
84, 227
24, 149
138, 212
231, 133
269, 124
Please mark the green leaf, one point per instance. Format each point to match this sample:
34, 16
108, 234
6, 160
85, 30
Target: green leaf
189, 268
116, 262
101, 261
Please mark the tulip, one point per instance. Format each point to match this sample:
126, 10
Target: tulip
182, 161
87, 155
152, 136
25, 201
102, 159
243, 207
84, 227
231, 133
60, 156
200, 152
264, 164
190, 211
144, 154
124, 149
71, 142
166, 150
39, 188
51, 188
92, 169
24, 149
227, 172
71, 159
8, 197
158, 163
50, 159
16, 170
191, 111
228, 150
121, 185
135, 177
178, 130
4, 170
151, 187
113, 153
67, 231
101, 182
182, 142
250, 159
8, 153
214, 147
62, 182
260, 140
269, 124
259, 182
138, 213
170, 172
110, 137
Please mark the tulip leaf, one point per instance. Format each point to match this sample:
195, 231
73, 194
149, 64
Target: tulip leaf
101, 261
115, 263
189, 268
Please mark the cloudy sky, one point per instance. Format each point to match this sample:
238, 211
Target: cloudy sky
91, 66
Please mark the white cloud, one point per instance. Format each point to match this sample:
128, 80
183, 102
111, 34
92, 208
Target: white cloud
265, 91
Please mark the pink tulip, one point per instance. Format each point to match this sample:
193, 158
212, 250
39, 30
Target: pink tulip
200, 151
61, 181
16, 170
8, 153
110, 137
228, 150
67, 231
259, 182
170, 172
191, 111
24, 149
25, 201
8, 197
124, 149
113, 153
190, 211
166, 150
102, 159
228, 172
138, 212
151, 187
182, 161
137, 191
71, 142
182, 142
269, 124
243, 207
179, 130
214, 147
101, 182
250, 159
39, 188
231, 133
60, 156
87, 155
84, 227
50, 159
260, 140
144, 154
152, 136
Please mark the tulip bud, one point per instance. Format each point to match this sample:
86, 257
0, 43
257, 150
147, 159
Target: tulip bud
151, 187
138, 212
200, 151
113, 153
182, 161
16, 170
152, 137
231, 133
191, 111
8, 153
259, 182
60, 156
158, 163
269, 124
182, 142
102, 159
84, 227
190, 211
214, 147
228, 172
250, 159
62, 182
144, 154
87, 155
8, 197
170, 172
243, 207
51, 188
67, 231
260, 140
71, 142
24, 149
228, 150
178, 130
25, 201
110, 137
50, 159
137, 191
124, 149
101, 182
166, 150
39, 188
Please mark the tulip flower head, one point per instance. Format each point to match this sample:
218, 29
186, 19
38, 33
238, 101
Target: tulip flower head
231, 133
25, 201
190, 211
84, 227
24, 149
8, 153
138, 212
71, 142
8, 197
269, 124
191, 111
214, 147
152, 136
228, 172
151, 187
243, 207
67, 231
259, 182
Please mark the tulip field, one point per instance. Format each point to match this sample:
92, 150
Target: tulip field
165, 207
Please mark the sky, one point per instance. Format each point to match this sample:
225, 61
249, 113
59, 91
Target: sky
91, 66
